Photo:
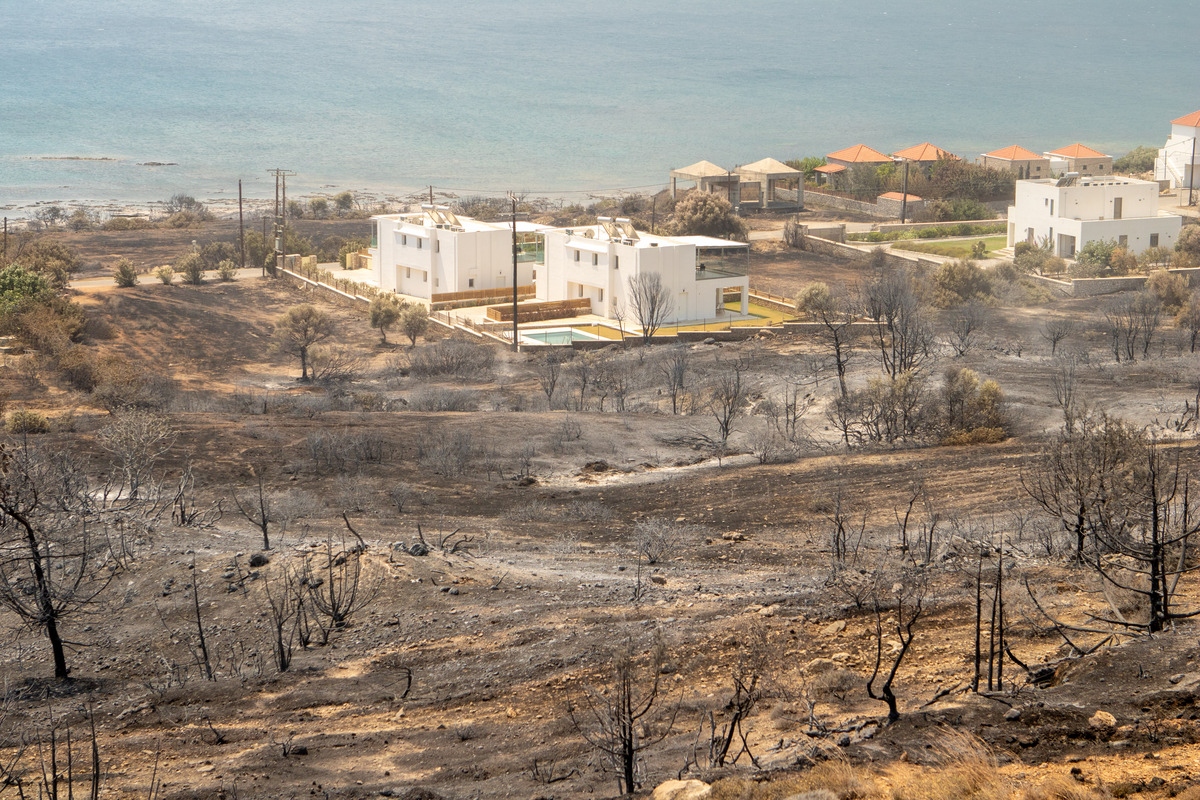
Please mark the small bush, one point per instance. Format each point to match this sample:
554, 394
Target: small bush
24, 421
125, 224
1171, 290
165, 274
125, 275
432, 398
452, 357
191, 266
227, 270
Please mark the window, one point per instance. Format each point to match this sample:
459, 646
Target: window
576, 255
470, 283
595, 259
1123, 241
1154, 240
420, 243
581, 290
1052, 208
616, 262
437, 246
424, 277
601, 297
403, 240
407, 272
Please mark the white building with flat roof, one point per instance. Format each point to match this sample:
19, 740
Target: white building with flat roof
434, 252
1071, 211
598, 261
1179, 159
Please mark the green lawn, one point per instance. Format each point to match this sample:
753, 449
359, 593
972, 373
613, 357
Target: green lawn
959, 248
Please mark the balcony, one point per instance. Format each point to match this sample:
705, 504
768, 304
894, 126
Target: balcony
709, 267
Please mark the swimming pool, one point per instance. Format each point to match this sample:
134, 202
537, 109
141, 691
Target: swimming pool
558, 336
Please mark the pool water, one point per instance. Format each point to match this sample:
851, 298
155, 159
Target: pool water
564, 336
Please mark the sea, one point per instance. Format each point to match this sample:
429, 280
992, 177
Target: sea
131, 101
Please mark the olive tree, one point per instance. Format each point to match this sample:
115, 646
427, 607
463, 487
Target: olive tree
298, 329
384, 312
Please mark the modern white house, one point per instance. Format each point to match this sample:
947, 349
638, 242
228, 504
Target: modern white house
1071, 211
598, 262
1179, 159
434, 252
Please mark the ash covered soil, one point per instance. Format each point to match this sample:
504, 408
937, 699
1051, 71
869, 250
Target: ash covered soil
456, 670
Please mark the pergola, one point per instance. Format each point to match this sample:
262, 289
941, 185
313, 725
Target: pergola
708, 177
766, 173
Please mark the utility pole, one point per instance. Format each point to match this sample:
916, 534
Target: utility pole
280, 212
1191, 172
904, 198
430, 194
516, 340
264, 241
241, 226
4, 258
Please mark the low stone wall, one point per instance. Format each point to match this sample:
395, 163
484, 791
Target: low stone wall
834, 233
886, 227
893, 207
814, 198
1057, 288
891, 257
1093, 287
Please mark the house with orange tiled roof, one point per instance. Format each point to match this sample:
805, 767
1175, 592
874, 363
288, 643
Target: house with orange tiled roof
858, 154
1179, 159
1025, 163
1079, 158
924, 154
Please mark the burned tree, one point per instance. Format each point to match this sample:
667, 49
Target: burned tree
909, 607
901, 330
51, 566
614, 719
837, 311
650, 301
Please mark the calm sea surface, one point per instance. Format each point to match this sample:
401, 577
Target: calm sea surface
554, 96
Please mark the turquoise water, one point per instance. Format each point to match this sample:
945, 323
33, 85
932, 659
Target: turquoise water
548, 96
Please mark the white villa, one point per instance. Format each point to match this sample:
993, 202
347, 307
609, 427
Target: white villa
435, 252
598, 261
1179, 159
1071, 211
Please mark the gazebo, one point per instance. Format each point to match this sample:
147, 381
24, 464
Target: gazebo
767, 173
708, 177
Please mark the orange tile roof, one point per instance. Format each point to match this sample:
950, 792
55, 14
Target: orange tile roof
829, 168
898, 196
1014, 153
1192, 120
859, 154
924, 152
1077, 150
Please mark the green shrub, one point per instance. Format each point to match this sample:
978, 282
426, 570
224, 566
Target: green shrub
125, 275
125, 224
24, 421
961, 281
165, 274
191, 266
1171, 290
1137, 160
227, 270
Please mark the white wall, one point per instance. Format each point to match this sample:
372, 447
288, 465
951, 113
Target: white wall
1085, 211
606, 282
420, 259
